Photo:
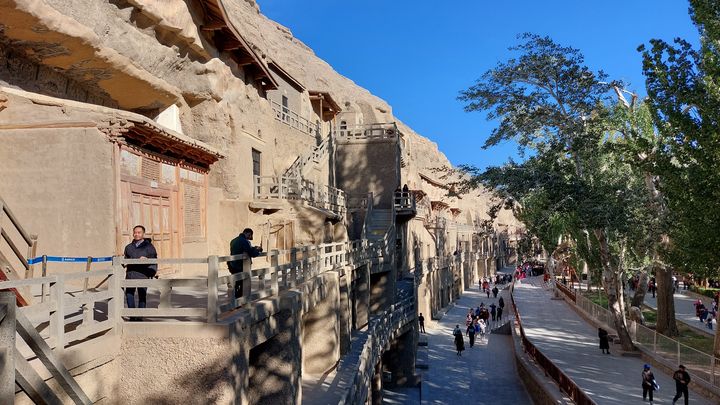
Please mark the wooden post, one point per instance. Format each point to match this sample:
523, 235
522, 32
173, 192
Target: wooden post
43, 287
88, 265
274, 262
212, 280
165, 295
7, 345
291, 282
117, 303
32, 251
57, 318
87, 307
247, 284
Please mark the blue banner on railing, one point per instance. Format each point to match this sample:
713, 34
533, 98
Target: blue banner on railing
63, 259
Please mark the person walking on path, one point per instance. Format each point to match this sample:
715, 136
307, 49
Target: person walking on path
495, 291
499, 314
682, 379
471, 334
140, 248
483, 327
501, 303
459, 341
604, 342
421, 322
493, 311
648, 383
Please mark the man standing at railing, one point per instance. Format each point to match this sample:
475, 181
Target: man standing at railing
238, 246
140, 248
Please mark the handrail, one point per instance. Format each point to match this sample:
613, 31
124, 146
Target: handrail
702, 366
378, 131
565, 383
28, 239
381, 329
404, 201
297, 188
292, 119
314, 156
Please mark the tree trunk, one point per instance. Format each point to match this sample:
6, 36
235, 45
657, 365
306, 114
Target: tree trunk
666, 323
613, 288
640, 292
665, 301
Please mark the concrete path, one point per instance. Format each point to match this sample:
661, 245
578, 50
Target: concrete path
484, 374
572, 344
685, 311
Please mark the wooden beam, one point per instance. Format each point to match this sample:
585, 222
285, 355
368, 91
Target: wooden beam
32, 384
244, 60
228, 44
54, 365
213, 26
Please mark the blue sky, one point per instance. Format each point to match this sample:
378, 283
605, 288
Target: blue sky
417, 55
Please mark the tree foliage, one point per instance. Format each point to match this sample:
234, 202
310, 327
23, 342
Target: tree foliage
683, 85
574, 185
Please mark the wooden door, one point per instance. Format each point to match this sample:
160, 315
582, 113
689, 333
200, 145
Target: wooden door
155, 213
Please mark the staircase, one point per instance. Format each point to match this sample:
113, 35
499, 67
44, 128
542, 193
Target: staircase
315, 157
378, 224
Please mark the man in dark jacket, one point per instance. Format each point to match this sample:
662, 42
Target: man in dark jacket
238, 246
682, 379
140, 248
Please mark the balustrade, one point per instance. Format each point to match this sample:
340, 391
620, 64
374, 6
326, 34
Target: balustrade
292, 119
297, 188
378, 132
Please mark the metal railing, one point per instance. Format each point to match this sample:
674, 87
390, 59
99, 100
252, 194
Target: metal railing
293, 119
701, 365
565, 383
377, 132
297, 188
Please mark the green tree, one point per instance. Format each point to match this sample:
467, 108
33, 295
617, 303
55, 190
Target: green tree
573, 185
683, 85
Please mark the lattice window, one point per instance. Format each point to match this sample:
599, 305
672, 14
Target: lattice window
150, 169
192, 213
256, 162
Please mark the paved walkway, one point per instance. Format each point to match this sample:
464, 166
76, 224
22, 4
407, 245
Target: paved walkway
572, 344
684, 309
485, 374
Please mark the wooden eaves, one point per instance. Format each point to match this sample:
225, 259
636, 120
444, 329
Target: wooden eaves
329, 107
277, 69
227, 39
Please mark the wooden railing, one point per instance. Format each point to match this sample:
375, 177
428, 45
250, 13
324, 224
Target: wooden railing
374, 132
72, 314
297, 188
16, 239
565, 383
292, 119
404, 201
315, 156
358, 201
381, 330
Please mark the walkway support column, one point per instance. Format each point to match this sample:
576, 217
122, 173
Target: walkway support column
7, 347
